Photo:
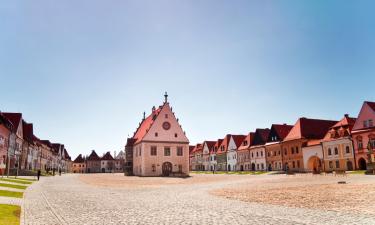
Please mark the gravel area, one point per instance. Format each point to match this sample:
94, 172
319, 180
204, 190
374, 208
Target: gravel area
76, 199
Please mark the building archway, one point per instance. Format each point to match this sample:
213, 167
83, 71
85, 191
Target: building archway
314, 164
229, 168
253, 166
362, 164
167, 169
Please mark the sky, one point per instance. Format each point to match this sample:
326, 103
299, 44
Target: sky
83, 72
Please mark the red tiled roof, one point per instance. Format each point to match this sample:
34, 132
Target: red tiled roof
79, 159
15, 118
198, 148
216, 146
282, 130
107, 156
249, 139
237, 140
346, 121
210, 144
27, 131
371, 104
145, 125
191, 148
93, 156
8, 124
309, 129
261, 136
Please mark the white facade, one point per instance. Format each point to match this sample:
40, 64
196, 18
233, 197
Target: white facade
258, 158
231, 155
213, 162
312, 155
206, 157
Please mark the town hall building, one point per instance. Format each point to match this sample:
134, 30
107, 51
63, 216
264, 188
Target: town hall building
159, 147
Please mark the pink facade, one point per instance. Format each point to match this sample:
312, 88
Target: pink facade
364, 136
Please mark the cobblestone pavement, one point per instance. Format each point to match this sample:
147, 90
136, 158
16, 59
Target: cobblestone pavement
67, 200
11, 201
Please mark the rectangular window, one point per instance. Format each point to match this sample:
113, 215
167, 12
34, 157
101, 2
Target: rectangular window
166, 116
370, 124
298, 165
294, 164
153, 168
330, 164
167, 151
296, 150
365, 123
179, 151
292, 150
153, 150
156, 134
337, 164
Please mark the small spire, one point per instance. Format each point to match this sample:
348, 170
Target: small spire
166, 97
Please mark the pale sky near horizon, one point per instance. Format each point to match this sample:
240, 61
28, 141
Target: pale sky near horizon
84, 71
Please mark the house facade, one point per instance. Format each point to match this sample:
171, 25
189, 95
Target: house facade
337, 146
213, 157
305, 130
233, 145
107, 163
6, 128
207, 148
274, 156
363, 135
79, 165
243, 153
161, 147
93, 163
258, 150
119, 162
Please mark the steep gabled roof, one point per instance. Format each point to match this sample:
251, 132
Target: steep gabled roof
191, 149
261, 136
93, 156
145, 125
79, 159
225, 144
107, 156
66, 155
14, 118
371, 105
210, 144
7, 123
246, 143
309, 129
216, 146
198, 148
28, 131
346, 121
280, 131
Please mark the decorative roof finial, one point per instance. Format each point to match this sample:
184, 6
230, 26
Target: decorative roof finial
166, 97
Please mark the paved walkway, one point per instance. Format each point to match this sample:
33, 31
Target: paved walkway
66, 200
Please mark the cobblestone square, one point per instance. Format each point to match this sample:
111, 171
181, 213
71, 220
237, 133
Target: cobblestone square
116, 199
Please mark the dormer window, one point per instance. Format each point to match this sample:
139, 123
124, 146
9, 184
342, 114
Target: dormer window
245, 143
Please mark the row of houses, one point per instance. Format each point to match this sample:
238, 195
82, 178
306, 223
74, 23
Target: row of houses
310, 145
22, 151
95, 164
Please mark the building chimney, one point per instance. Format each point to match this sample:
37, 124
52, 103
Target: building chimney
346, 115
144, 115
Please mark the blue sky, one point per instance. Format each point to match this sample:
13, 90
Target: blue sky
84, 71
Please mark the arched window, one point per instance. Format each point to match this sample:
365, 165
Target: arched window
336, 151
329, 151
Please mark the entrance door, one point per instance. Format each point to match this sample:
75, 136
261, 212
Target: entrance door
253, 166
362, 164
349, 165
167, 169
241, 167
